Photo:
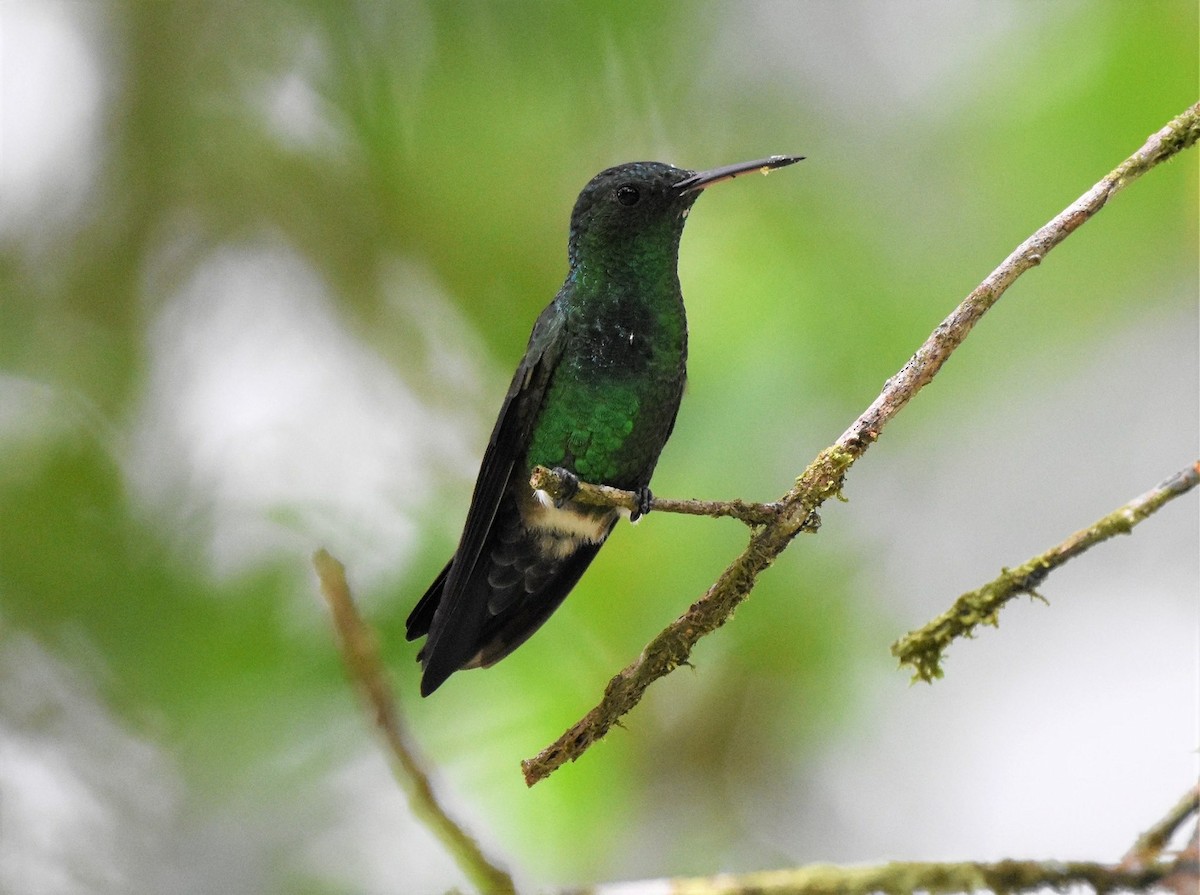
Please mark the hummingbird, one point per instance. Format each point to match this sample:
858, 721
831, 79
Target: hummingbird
594, 398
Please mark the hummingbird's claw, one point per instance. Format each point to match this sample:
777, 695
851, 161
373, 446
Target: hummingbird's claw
570, 486
644, 499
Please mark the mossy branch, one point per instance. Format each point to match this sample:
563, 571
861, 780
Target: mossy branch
797, 510
360, 653
1149, 865
907, 878
923, 649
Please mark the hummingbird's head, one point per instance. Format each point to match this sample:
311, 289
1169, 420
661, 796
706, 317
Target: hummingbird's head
628, 204
642, 205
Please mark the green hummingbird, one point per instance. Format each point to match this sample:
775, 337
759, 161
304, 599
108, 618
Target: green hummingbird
594, 398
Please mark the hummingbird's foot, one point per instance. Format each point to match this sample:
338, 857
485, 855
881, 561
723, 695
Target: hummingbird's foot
644, 499
570, 486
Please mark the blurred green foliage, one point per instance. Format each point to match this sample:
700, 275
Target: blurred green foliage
451, 138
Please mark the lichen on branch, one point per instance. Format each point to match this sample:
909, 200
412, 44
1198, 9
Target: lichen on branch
923, 649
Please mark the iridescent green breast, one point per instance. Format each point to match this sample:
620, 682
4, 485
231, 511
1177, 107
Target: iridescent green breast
612, 401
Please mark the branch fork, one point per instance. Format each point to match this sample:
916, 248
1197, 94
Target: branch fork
825, 475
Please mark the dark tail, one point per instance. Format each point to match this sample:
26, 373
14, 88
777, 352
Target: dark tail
507, 597
421, 617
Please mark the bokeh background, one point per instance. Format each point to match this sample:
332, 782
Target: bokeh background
265, 270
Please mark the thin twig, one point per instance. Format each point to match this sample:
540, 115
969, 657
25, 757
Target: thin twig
824, 476
360, 653
552, 483
923, 649
1179, 134
1151, 844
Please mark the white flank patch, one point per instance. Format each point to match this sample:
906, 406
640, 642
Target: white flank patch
569, 522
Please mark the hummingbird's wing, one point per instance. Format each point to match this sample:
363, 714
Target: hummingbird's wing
452, 613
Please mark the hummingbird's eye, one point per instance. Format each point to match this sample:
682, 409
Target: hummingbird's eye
628, 195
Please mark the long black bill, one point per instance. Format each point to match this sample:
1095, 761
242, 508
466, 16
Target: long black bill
704, 179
